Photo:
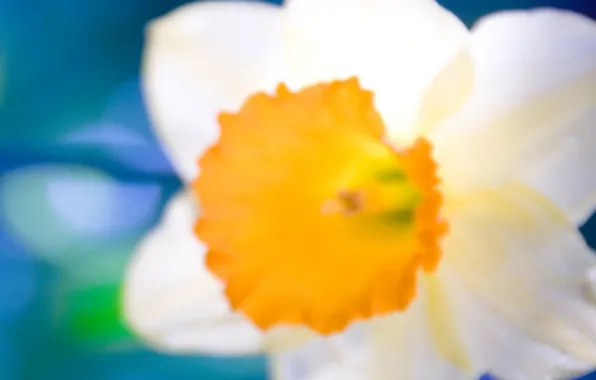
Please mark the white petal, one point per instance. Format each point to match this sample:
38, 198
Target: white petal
171, 299
400, 346
567, 174
524, 300
447, 93
497, 346
394, 47
343, 356
203, 58
405, 345
533, 106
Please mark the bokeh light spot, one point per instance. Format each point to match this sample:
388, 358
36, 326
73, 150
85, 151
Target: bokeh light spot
61, 211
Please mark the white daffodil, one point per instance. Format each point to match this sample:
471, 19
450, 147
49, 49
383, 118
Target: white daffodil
405, 205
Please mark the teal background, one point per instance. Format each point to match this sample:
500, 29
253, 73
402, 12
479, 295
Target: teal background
76, 146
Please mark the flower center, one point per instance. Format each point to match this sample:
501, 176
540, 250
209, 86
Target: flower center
310, 217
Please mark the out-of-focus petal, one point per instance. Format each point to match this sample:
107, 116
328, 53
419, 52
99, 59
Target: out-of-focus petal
496, 345
532, 111
203, 58
171, 299
567, 174
394, 47
344, 356
405, 344
523, 296
399, 344
446, 94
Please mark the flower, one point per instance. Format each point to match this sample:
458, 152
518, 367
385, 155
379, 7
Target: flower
404, 204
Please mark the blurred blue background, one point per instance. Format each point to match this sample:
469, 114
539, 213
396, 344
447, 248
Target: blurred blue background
82, 179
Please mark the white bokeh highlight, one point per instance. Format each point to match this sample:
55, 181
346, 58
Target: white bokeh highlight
61, 212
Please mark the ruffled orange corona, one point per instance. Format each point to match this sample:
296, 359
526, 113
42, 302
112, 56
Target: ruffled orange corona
310, 216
